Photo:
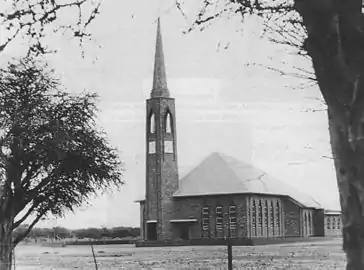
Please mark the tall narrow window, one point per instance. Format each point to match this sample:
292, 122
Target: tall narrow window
205, 219
309, 225
168, 123
219, 218
271, 210
278, 218
328, 223
304, 224
254, 218
152, 123
334, 223
266, 217
248, 220
338, 223
260, 218
232, 221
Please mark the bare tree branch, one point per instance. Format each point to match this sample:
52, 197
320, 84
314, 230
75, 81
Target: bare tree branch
34, 19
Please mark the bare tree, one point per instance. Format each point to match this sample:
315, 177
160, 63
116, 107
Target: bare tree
53, 157
331, 34
33, 20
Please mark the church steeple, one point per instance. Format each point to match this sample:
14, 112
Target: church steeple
160, 88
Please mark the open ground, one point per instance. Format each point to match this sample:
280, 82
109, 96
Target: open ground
307, 255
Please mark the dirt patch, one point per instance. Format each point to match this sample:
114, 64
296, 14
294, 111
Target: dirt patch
326, 255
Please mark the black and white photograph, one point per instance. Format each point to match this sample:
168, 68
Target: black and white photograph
180, 134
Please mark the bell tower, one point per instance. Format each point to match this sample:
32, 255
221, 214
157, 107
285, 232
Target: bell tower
161, 152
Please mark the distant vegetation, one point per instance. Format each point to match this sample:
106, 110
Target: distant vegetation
90, 233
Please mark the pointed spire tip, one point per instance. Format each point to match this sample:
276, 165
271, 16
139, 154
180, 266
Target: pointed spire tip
160, 88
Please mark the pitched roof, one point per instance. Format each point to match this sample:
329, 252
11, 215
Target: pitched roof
220, 174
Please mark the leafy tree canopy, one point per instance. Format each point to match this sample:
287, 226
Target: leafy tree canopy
53, 156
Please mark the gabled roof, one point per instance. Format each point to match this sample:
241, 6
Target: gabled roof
220, 174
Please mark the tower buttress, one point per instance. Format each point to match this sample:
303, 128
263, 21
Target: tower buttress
161, 151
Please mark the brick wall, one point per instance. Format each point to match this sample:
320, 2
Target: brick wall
151, 190
142, 219
191, 207
291, 218
333, 225
318, 222
162, 168
187, 208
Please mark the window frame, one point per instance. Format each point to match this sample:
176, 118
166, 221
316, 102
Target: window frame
205, 218
219, 220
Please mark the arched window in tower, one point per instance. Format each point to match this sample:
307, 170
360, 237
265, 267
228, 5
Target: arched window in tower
254, 219
152, 123
271, 210
278, 219
168, 122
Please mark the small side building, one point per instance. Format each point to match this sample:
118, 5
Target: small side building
333, 223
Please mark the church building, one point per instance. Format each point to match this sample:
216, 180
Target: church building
221, 197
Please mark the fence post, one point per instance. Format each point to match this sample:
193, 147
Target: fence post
230, 255
94, 256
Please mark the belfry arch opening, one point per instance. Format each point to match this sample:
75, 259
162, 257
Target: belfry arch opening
168, 123
152, 124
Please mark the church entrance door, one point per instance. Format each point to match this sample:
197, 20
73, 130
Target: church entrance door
185, 231
152, 231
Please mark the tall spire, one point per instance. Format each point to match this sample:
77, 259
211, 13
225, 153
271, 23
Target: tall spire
160, 88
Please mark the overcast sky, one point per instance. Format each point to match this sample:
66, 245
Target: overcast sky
223, 103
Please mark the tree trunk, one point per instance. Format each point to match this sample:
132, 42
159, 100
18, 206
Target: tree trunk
5, 245
335, 44
349, 165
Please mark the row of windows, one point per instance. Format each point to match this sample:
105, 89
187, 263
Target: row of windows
333, 223
219, 220
167, 123
308, 224
266, 218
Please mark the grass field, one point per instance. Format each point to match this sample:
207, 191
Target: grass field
309, 255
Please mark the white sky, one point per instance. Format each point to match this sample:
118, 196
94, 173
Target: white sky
222, 104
